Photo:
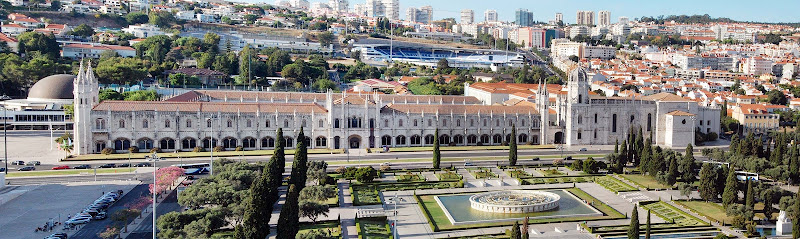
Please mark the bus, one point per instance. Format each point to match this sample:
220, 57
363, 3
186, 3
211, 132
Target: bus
195, 168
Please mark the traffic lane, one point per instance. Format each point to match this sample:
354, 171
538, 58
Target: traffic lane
145, 228
91, 229
147, 177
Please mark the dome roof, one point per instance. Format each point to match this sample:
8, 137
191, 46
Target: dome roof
53, 87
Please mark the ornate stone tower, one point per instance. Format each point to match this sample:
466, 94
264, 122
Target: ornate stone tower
577, 107
86, 97
542, 102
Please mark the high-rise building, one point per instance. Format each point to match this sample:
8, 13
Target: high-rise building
421, 15
383, 8
584, 18
604, 18
360, 9
467, 16
523, 17
559, 17
340, 6
623, 20
490, 16
300, 4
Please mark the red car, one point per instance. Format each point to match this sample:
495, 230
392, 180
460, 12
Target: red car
61, 167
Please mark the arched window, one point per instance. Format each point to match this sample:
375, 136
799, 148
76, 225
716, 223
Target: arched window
458, 123
188, 123
289, 141
303, 123
595, 133
580, 98
580, 132
145, 143
429, 139
484, 139
248, 143
522, 138
386, 140
100, 124
166, 123
229, 143
336, 123
415, 123
444, 123
145, 124
321, 123
650, 121
166, 143
497, 123
472, 139
188, 143
208, 123
595, 118
510, 123
230, 123
400, 123
430, 122
471, 122
267, 142
416, 140
321, 141
286, 123
523, 123
249, 123
458, 139
266, 124
632, 118
400, 140
485, 122
121, 124
579, 119
122, 144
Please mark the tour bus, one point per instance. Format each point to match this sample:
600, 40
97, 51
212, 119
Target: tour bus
195, 168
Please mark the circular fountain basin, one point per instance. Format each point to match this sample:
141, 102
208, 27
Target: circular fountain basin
515, 201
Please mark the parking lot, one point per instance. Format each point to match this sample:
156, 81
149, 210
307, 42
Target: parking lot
25, 208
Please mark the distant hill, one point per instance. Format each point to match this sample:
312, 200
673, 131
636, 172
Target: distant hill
73, 20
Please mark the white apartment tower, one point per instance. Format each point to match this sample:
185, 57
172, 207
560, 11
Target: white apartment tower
340, 6
467, 16
559, 17
85, 93
383, 8
428, 12
584, 18
490, 15
623, 20
421, 15
300, 4
604, 18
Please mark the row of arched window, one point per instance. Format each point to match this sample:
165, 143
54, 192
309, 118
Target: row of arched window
458, 123
144, 144
456, 139
101, 123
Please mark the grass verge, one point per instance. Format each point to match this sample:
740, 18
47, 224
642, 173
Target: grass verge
710, 210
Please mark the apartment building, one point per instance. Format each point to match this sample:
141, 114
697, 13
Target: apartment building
467, 16
756, 118
584, 18
604, 18
490, 16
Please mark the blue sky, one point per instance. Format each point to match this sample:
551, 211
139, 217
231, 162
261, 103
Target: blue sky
762, 11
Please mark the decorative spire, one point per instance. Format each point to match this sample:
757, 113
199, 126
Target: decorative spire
80, 73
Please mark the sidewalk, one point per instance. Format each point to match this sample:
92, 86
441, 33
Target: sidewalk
147, 212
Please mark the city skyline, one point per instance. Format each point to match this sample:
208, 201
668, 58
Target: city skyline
544, 11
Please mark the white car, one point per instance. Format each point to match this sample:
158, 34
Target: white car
80, 220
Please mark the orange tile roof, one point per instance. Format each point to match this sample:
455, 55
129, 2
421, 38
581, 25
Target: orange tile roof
224, 107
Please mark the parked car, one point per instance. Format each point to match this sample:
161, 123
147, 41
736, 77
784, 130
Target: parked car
143, 165
78, 220
18, 162
59, 235
536, 159
34, 163
124, 165
582, 150
2, 170
27, 168
467, 164
108, 165
100, 216
83, 166
61, 167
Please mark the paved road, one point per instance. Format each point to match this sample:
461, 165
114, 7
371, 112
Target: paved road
90, 230
146, 177
145, 228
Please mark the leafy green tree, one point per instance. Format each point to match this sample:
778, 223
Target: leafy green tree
437, 156
672, 175
154, 48
776, 97
512, 147
317, 193
796, 217
134, 18
731, 193
110, 94
119, 70
141, 95
707, 183
592, 166
322, 85
289, 219
161, 18
312, 210
633, 229
688, 166
317, 171
366, 174
259, 209
45, 44
325, 38
82, 30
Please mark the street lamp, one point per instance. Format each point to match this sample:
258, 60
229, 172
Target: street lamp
155, 159
211, 165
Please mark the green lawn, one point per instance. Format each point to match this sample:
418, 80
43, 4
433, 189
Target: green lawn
564, 179
713, 211
480, 173
614, 184
645, 181
672, 214
518, 173
365, 195
377, 227
12, 174
410, 177
551, 172
196, 154
448, 176
330, 229
440, 222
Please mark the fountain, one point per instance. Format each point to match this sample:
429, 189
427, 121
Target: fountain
515, 201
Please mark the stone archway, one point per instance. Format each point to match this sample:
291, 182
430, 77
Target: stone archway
559, 138
354, 142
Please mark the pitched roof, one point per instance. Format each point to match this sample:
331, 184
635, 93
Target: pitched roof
680, 113
223, 107
458, 109
664, 97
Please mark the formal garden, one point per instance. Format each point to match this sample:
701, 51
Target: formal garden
481, 173
671, 214
613, 184
373, 228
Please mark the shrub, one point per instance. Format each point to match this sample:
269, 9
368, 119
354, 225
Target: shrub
385, 168
328, 180
107, 151
197, 149
219, 149
239, 148
155, 150
133, 149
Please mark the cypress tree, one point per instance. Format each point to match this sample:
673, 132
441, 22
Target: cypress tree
633, 229
796, 217
259, 210
300, 163
688, 166
624, 154
731, 192
794, 164
437, 157
646, 158
512, 146
707, 183
639, 148
647, 228
749, 200
289, 219
515, 231
276, 166
616, 146
672, 175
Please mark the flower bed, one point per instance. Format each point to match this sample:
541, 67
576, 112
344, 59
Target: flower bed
614, 184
